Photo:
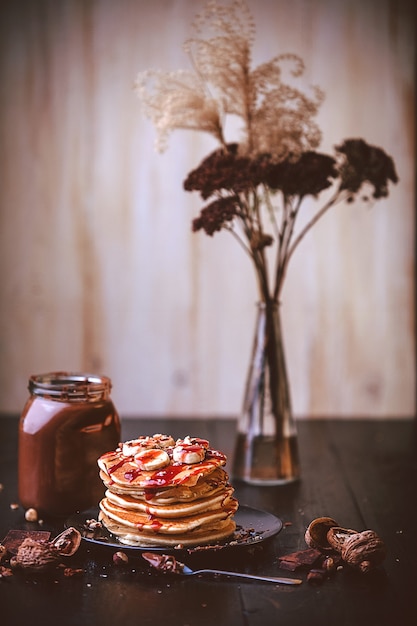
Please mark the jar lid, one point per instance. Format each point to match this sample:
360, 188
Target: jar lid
69, 385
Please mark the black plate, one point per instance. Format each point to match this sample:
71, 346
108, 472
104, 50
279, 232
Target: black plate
253, 526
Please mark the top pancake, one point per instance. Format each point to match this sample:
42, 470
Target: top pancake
128, 466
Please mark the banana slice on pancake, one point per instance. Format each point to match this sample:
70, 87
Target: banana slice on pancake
134, 446
124, 467
152, 459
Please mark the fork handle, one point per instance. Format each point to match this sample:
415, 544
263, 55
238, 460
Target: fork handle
269, 579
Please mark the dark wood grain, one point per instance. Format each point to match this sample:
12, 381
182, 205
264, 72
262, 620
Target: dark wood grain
360, 472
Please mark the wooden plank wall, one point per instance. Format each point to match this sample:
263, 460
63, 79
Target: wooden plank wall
99, 268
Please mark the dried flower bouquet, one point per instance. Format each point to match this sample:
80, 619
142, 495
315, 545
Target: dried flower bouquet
255, 187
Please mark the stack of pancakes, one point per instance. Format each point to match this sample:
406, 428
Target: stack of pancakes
166, 493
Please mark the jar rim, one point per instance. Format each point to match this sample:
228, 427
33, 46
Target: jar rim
69, 384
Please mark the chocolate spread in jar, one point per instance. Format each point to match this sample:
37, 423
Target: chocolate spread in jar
67, 423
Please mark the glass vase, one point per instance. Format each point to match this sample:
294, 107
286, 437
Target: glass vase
266, 448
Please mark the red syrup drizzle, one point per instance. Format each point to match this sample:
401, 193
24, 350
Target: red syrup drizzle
116, 466
156, 525
168, 475
132, 474
150, 493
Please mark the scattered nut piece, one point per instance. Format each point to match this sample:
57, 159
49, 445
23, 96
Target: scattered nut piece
68, 542
316, 533
5, 572
316, 576
93, 524
14, 506
165, 563
35, 556
31, 515
120, 558
72, 571
3, 551
329, 564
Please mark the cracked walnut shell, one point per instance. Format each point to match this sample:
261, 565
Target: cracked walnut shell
364, 550
35, 556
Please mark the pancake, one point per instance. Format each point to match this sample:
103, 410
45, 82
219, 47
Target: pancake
162, 492
138, 520
174, 509
214, 482
201, 537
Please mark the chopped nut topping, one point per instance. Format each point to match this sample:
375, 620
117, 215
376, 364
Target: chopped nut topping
93, 524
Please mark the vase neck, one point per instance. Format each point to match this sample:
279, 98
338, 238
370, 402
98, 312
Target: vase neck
263, 305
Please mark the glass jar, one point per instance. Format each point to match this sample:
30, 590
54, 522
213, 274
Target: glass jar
68, 421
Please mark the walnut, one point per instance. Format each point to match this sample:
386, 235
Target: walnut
68, 542
39, 555
316, 534
361, 550
35, 556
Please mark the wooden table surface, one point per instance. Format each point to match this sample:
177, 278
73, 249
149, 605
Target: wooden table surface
360, 472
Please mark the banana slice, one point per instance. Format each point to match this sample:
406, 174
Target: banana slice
152, 459
132, 447
193, 441
188, 453
164, 441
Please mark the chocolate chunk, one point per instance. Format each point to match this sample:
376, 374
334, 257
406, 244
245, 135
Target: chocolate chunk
14, 538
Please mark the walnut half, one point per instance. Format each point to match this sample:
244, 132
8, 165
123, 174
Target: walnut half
35, 556
363, 551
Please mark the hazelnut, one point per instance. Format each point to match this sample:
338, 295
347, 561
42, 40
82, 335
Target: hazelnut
120, 558
31, 515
